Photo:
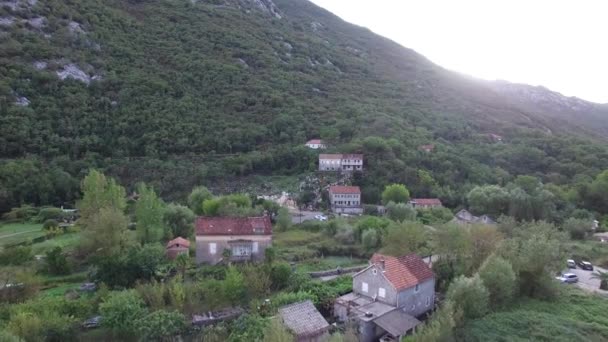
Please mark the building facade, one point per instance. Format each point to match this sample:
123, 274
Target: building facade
316, 144
388, 296
426, 203
341, 162
345, 199
177, 246
232, 239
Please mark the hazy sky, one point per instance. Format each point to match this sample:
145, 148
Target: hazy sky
562, 45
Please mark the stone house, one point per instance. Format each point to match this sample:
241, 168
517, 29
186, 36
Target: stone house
305, 322
388, 297
345, 199
426, 203
464, 217
223, 239
341, 162
316, 144
177, 246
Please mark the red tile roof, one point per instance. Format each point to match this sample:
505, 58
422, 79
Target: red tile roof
426, 201
330, 156
427, 147
314, 141
404, 271
178, 241
341, 189
233, 226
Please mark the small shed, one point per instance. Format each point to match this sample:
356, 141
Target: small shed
177, 246
305, 322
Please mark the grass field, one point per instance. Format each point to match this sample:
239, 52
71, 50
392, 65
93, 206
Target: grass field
66, 241
321, 264
573, 316
12, 233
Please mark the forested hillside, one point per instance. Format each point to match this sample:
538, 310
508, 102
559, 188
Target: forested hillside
179, 93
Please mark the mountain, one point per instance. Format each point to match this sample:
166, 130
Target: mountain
179, 92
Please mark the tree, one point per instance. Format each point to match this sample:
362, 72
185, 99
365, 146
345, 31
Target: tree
99, 192
400, 212
280, 275
56, 263
603, 278
234, 285
577, 228
407, 237
370, 239
397, 193
283, 219
469, 295
500, 280
106, 233
121, 311
196, 198
483, 241
161, 325
149, 215
488, 199
440, 328
179, 219
182, 262
276, 332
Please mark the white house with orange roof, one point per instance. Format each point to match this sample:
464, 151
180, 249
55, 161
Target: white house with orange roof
345, 199
316, 144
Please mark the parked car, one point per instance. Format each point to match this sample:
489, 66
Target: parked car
571, 263
569, 278
321, 217
586, 265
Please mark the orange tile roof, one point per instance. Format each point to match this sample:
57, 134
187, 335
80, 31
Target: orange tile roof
178, 241
426, 201
404, 271
341, 189
233, 225
330, 156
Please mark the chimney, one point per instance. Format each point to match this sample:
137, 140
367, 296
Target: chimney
382, 264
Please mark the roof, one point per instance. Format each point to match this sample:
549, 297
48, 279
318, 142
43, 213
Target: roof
426, 201
397, 322
427, 147
314, 141
341, 189
233, 226
330, 156
303, 319
178, 241
352, 156
404, 271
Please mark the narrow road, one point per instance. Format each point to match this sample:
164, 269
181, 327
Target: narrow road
9, 235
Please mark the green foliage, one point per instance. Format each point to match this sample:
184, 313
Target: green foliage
577, 228
16, 255
283, 219
370, 239
234, 286
469, 295
396, 193
124, 269
197, 197
106, 233
161, 325
406, 237
248, 327
50, 224
500, 280
276, 332
439, 328
149, 215
400, 212
49, 213
280, 275
121, 311
180, 220
56, 262
434, 216
99, 192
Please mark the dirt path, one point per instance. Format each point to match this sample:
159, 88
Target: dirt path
9, 235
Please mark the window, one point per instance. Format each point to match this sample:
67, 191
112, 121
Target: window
212, 248
374, 271
364, 287
255, 247
417, 288
381, 292
428, 301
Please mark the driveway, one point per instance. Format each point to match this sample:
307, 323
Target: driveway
585, 281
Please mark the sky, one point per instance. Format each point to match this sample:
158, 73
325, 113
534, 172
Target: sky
562, 45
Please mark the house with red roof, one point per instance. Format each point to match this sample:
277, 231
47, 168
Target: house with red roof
232, 239
316, 144
426, 203
345, 199
341, 162
388, 297
177, 246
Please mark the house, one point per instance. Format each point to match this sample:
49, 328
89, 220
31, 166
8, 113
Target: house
345, 199
341, 162
231, 239
388, 296
426, 203
494, 137
305, 322
177, 246
427, 148
464, 217
316, 144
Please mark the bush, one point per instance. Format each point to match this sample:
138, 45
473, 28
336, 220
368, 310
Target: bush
49, 213
469, 295
16, 255
397, 193
161, 325
56, 262
121, 311
400, 212
370, 240
50, 224
21, 214
500, 280
280, 275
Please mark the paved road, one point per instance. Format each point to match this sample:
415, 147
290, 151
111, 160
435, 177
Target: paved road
301, 216
585, 281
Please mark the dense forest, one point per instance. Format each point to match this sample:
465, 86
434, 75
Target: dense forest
179, 93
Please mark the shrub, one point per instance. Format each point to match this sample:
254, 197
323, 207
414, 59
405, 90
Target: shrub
161, 325
280, 275
49, 213
500, 280
56, 262
121, 310
400, 212
50, 224
370, 239
397, 193
469, 295
16, 255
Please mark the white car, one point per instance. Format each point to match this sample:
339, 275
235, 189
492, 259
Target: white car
321, 217
568, 278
